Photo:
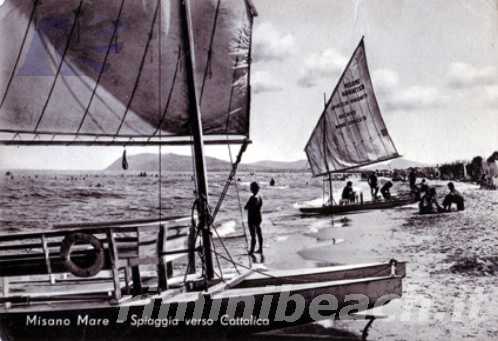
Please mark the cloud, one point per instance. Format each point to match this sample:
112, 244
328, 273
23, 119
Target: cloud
385, 81
415, 98
325, 65
491, 94
462, 75
272, 45
262, 81
476, 86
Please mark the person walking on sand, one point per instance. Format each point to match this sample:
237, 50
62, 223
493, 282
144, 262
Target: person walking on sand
254, 218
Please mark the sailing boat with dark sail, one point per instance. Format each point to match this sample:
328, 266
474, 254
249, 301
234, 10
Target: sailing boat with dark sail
144, 73
350, 133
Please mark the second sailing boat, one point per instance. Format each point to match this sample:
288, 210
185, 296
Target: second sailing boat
350, 133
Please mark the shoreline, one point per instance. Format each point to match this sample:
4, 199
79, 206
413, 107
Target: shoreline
451, 257
441, 301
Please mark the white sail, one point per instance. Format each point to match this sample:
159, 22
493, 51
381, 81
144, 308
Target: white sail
117, 68
351, 132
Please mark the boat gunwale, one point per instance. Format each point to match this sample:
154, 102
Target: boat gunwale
87, 229
319, 270
370, 205
192, 297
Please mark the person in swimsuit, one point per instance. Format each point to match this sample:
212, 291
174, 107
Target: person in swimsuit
254, 218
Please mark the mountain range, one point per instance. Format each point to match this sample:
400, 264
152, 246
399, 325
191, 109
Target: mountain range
183, 163
400, 163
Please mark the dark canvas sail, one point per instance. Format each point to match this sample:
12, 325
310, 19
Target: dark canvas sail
351, 132
117, 68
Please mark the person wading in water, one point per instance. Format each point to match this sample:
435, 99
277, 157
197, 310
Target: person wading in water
254, 218
453, 197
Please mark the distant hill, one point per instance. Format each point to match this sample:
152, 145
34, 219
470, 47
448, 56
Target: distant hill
291, 165
183, 163
400, 163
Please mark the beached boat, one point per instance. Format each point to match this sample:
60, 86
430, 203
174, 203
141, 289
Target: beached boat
52, 303
41, 297
350, 133
356, 207
124, 73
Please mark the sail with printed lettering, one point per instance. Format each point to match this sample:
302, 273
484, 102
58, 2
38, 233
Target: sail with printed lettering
351, 131
116, 69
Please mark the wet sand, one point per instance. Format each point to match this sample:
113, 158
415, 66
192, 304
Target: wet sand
450, 292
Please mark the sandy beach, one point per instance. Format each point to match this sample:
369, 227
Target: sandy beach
450, 290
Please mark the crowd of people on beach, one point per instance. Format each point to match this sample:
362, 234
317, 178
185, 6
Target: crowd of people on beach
350, 196
424, 194
487, 182
427, 196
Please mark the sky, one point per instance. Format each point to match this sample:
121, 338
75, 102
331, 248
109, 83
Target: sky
433, 64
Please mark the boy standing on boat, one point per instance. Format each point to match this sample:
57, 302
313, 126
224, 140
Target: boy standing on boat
374, 186
254, 218
386, 190
412, 179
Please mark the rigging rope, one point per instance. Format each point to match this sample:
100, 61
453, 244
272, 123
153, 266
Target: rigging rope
21, 49
68, 87
198, 232
218, 260
170, 95
77, 13
211, 217
234, 165
207, 70
141, 67
224, 246
241, 210
255, 270
193, 235
309, 278
232, 174
159, 89
222, 197
86, 85
104, 63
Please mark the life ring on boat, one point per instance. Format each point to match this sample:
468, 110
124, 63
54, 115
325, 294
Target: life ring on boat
82, 238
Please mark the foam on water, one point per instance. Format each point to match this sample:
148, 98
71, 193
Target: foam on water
311, 203
228, 227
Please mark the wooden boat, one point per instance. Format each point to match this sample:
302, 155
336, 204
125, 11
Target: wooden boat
52, 303
357, 207
350, 133
178, 72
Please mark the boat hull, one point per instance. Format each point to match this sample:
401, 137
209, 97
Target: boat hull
366, 206
253, 305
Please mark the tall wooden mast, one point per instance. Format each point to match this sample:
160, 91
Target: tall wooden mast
331, 190
198, 142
